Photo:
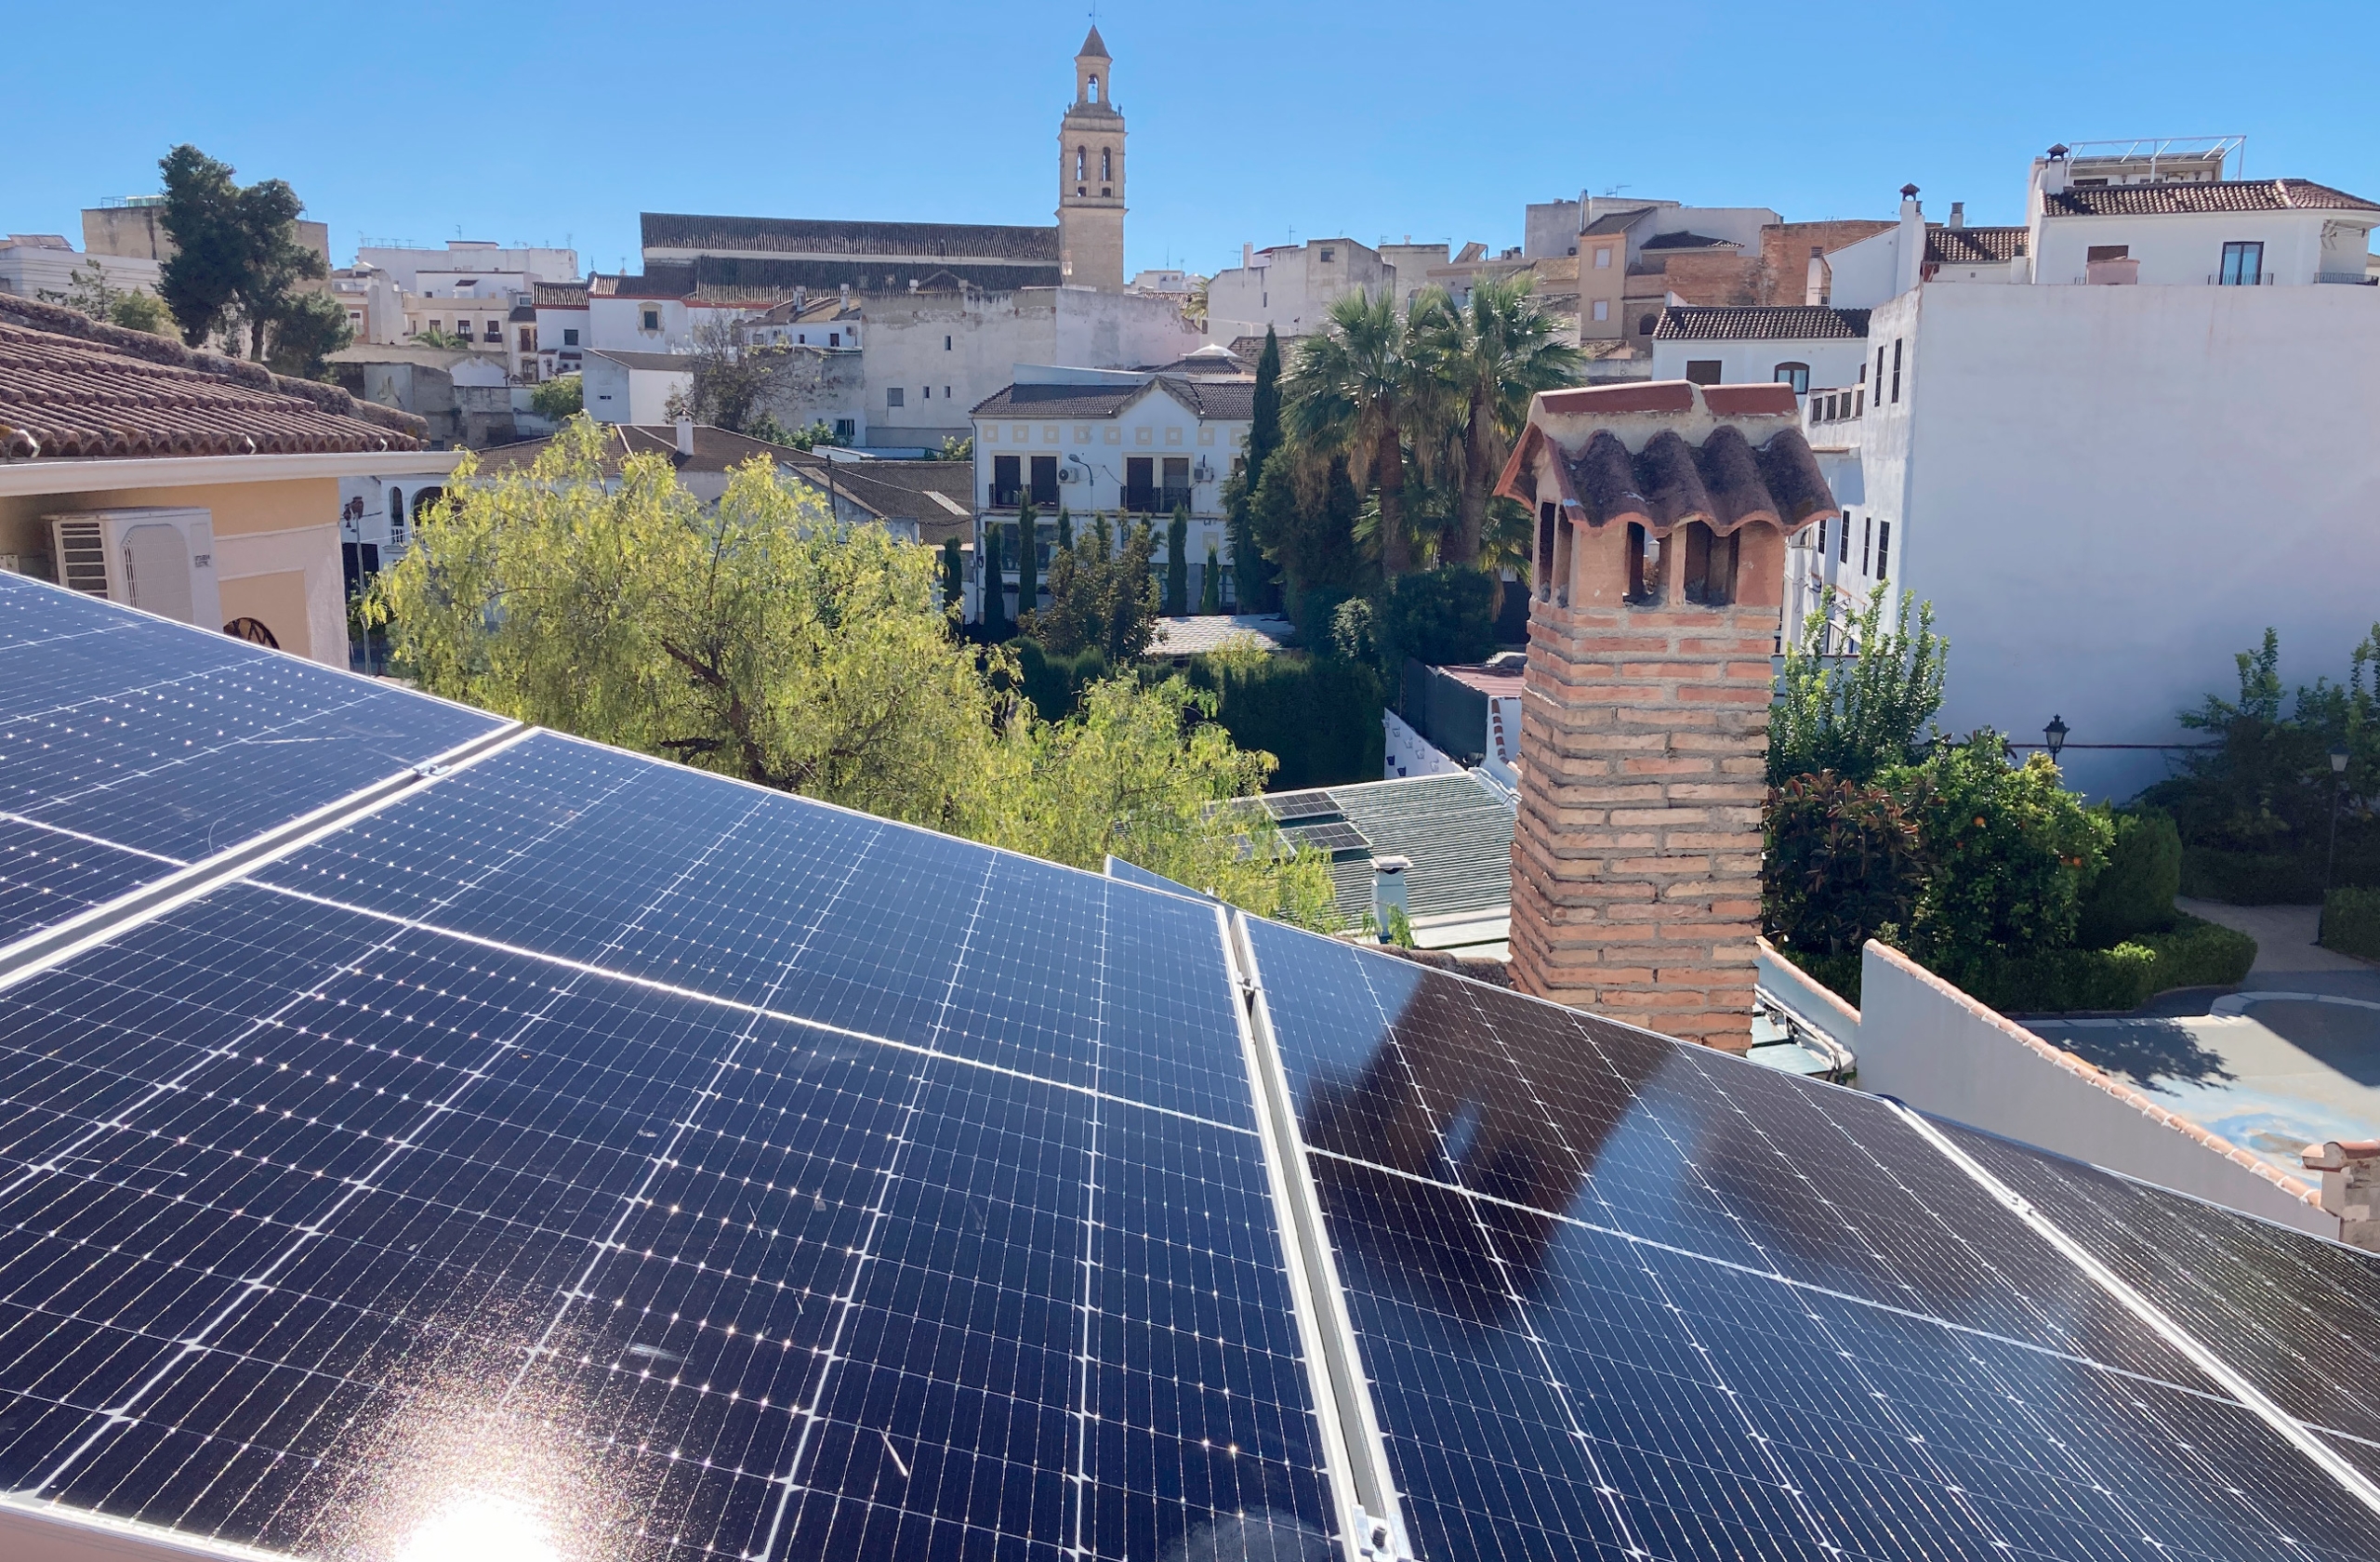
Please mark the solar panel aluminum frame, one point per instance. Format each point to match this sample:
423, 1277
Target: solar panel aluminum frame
35, 1531
61, 941
1362, 1482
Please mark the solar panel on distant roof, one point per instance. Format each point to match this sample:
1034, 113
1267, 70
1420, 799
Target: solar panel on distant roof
1287, 806
588, 1156
1335, 837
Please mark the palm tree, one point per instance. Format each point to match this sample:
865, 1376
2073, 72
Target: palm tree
1492, 355
1349, 394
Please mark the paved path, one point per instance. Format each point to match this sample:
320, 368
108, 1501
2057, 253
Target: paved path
2291, 1058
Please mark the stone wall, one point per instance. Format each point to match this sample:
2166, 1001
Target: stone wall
1637, 861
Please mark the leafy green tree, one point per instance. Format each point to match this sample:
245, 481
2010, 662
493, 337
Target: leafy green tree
443, 340
309, 327
757, 638
1210, 585
237, 259
1311, 535
995, 616
1102, 597
560, 397
1841, 865
1442, 615
2009, 852
1065, 529
1349, 394
1029, 564
1177, 564
954, 573
1252, 577
1492, 355
1861, 715
954, 448
89, 292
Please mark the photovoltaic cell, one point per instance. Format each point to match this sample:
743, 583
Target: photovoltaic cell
1610, 1304
47, 876
2298, 1315
1334, 837
158, 737
387, 1203
1288, 806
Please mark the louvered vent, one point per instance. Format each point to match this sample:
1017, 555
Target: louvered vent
82, 557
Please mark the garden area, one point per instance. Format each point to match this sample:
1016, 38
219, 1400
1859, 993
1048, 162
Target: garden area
1979, 865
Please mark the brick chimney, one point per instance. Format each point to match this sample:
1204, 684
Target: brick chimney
2351, 1171
1662, 514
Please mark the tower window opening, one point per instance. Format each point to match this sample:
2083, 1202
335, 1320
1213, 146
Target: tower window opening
1078, 160
1104, 172
1095, 89
1710, 566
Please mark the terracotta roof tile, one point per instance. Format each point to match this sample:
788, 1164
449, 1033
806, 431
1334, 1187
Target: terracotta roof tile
1975, 246
65, 395
1760, 322
2214, 195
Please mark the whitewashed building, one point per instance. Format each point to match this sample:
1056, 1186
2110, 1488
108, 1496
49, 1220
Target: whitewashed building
1290, 287
2114, 469
1104, 441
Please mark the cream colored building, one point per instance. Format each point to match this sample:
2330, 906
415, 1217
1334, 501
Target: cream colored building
1090, 176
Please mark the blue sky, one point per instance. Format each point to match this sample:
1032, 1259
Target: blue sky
1249, 121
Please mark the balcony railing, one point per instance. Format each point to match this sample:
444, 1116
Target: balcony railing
1006, 498
2348, 279
1156, 500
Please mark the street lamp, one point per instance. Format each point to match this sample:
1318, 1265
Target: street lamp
2338, 773
2055, 734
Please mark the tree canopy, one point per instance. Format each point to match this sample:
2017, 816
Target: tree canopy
760, 639
238, 260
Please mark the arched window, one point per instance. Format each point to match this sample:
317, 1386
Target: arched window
1796, 374
1644, 326
396, 514
1103, 164
1095, 89
1078, 161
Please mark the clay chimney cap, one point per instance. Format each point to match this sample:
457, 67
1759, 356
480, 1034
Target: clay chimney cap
2334, 1155
2058, 150
1908, 189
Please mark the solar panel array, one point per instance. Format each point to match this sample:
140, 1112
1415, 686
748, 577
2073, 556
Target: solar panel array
554, 1153
1335, 837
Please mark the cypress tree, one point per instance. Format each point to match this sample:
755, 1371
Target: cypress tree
1210, 587
995, 617
1066, 530
1252, 576
1177, 564
953, 578
1028, 561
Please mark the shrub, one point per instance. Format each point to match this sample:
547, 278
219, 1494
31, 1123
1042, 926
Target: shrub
1860, 716
560, 397
2135, 893
2192, 954
2351, 923
1841, 866
2248, 878
2008, 852
1443, 615
1319, 716
1054, 682
1838, 973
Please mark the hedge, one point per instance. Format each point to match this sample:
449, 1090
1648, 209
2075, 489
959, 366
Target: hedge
2274, 878
2351, 923
1319, 716
2191, 954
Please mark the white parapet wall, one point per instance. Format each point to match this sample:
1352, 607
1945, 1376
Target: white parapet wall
1924, 1042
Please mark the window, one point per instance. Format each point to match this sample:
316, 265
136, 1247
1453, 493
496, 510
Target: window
570, 336
1045, 481
2243, 265
1328, 256
1644, 326
355, 318
528, 338
1895, 371
1884, 549
1821, 540
946, 344
1104, 155
652, 319
1603, 309
834, 339
926, 392
1603, 258
494, 333
437, 325
1843, 541
1005, 481
1095, 89
1867, 542
2107, 252
396, 518
1880, 368
1546, 512
1081, 157
1703, 371
895, 395
1140, 484
1796, 374
945, 392
846, 428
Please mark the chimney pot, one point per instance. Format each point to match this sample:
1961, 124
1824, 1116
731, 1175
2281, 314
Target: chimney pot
1907, 191
686, 436
2351, 1171
1958, 213
1388, 890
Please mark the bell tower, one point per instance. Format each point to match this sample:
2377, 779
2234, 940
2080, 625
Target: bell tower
1090, 176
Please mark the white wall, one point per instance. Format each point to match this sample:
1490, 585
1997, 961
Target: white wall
2109, 491
2186, 249
1833, 361
1930, 1045
1293, 287
964, 348
29, 271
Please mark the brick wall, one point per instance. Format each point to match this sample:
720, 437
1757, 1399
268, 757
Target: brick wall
1636, 859
1785, 254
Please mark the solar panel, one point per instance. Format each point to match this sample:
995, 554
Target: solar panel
1334, 838
1621, 1297
1286, 806
584, 1156
154, 738
1118, 868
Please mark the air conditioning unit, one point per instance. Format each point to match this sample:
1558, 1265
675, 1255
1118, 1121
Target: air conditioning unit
1067, 474
159, 561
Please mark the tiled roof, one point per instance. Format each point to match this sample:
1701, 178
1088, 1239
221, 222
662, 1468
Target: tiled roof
801, 237
2215, 195
1760, 322
80, 389
1225, 402
558, 295
1612, 222
1456, 829
660, 362
716, 450
1203, 632
1975, 246
904, 491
